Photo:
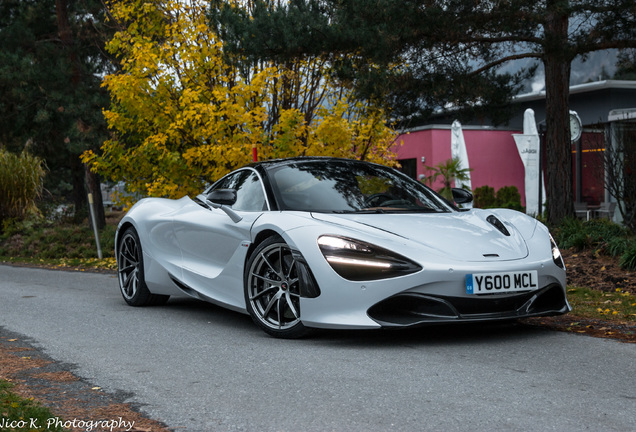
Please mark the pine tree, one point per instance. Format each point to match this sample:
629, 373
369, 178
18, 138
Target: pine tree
626, 66
51, 62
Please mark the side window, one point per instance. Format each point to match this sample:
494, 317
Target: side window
231, 181
249, 192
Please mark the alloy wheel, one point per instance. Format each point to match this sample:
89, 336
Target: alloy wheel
273, 287
128, 265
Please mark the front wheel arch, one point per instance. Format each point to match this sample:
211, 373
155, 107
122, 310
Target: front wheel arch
260, 238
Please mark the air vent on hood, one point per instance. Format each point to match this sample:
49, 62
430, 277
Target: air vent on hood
492, 219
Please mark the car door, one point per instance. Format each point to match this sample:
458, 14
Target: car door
214, 246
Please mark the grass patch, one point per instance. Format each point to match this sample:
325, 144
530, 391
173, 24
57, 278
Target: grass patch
58, 244
615, 306
48, 240
24, 414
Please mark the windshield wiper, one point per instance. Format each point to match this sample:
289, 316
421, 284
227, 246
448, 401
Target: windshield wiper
361, 211
422, 210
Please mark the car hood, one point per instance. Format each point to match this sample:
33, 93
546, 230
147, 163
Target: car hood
466, 236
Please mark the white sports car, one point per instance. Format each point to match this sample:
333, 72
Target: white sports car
334, 243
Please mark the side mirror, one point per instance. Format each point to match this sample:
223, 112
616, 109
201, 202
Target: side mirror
462, 196
222, 196
221, 199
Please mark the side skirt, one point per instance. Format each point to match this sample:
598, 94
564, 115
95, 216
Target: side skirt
197, 295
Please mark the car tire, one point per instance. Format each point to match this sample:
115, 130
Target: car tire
272, 290
130, 272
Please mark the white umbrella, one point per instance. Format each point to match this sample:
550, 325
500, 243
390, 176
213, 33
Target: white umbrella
529, 125
458, 151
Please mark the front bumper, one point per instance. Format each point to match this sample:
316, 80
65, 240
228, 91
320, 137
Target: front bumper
412, 309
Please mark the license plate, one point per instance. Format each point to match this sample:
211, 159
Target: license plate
494, 283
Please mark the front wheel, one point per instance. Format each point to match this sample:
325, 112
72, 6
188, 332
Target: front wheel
272, 290
130, 271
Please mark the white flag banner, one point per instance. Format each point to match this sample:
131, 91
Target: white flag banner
529, 147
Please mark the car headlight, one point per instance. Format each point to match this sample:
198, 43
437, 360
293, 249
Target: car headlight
358, 261
556, 254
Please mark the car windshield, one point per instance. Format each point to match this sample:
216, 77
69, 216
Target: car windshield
351, 187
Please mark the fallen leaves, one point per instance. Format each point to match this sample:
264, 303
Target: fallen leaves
622, 331
38, 379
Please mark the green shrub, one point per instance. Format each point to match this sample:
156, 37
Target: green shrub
484, 197
571, 234
509, 197
21, 184
603, 229
578, 241
617, 246
600, 234
628, 258
506, 197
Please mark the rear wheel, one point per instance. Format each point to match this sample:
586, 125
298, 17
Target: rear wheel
130, 271
272, 290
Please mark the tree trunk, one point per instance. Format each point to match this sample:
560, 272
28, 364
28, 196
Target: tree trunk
557, 63
79, 191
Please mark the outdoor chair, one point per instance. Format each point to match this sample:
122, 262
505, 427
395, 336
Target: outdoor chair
606, 210
582, 211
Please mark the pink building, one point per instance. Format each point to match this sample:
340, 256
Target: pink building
492, 154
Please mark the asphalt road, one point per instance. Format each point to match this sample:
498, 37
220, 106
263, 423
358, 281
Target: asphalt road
199, 368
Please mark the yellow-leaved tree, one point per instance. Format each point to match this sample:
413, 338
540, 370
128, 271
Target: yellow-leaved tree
181, 116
